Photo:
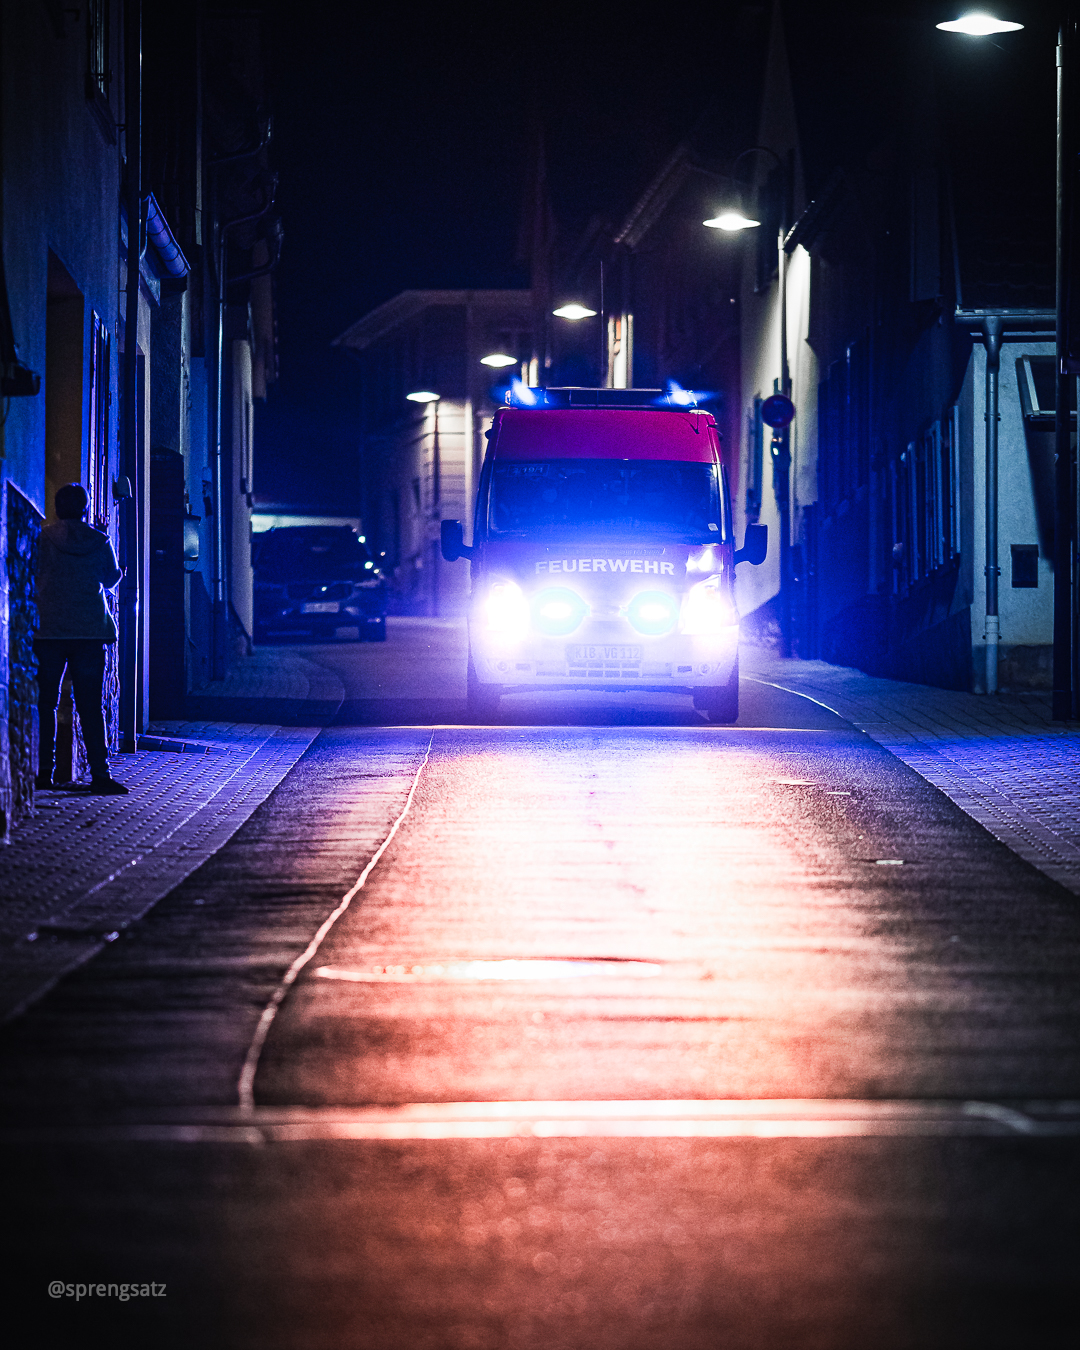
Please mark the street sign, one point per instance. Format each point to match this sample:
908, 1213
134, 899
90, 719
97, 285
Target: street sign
778, 411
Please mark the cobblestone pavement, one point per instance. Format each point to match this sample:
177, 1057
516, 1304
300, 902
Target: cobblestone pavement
85, 867
1001, 758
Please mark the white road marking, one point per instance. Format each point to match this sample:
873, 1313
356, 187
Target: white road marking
442, 971
246, 1084
667, 1119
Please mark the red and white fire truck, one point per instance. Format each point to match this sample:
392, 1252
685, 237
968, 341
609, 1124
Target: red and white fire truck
602, 553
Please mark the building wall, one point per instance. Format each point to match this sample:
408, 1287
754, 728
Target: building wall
242, 577
61, 184
420, 463
1026, 615
754, 498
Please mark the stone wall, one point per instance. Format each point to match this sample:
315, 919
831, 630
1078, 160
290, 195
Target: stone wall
22, 526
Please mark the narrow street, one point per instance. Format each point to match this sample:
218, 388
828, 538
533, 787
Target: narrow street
629, 1031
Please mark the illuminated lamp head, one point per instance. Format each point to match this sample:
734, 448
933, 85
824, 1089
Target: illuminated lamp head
707, 610
979, 25
557, 611
506, 610
652, 613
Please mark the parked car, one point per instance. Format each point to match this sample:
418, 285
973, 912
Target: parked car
319, 582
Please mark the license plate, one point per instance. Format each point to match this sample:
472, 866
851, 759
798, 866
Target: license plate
320, 607
600, 653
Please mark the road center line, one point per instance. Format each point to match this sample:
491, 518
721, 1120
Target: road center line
246, 1083
657, 1118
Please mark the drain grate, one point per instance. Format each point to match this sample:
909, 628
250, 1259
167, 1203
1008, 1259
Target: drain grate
438, 972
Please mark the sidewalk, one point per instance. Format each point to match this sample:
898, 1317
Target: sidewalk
1001, 759
84, 868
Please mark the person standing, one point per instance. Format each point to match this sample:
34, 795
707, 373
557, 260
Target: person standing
75, 565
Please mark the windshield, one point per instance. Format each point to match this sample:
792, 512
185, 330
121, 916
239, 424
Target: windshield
560, 498
311, 554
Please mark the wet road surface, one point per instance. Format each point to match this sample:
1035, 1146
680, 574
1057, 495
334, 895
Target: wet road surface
785, 1056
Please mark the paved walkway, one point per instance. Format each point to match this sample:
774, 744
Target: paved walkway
84, 868
1000, 758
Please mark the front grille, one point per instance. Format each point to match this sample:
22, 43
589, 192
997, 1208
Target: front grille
606, 670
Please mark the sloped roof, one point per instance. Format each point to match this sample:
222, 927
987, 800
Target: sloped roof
661, 191
408, 304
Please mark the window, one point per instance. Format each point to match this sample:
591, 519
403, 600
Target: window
926, 504
1037, 383
606, 498
99, 65
844, 426
100, 407
755, 439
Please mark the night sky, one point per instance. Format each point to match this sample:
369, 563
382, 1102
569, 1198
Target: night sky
404, 144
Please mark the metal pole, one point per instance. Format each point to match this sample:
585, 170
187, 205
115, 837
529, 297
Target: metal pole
1063, 701
992, 328
130, 655
603, 332
781, 444
218, 615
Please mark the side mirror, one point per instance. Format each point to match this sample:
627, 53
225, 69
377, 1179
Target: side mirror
755, 545
453, 541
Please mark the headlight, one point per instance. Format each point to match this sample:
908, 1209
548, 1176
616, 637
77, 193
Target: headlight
558, 611
707, 609
506, 609
653, 613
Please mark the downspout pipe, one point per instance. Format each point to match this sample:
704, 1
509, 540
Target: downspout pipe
1063, 704
992, 334
130, 657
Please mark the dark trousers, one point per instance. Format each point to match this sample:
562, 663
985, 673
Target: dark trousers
84, 659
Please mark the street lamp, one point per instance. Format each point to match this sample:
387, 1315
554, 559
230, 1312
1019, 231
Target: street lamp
574, 312
979, 25
498, 360
731, 221
423, 396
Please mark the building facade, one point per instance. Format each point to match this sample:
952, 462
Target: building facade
907, 311
420, 460
118, 126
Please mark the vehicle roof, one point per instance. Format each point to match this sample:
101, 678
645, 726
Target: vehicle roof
308, 529
604, 433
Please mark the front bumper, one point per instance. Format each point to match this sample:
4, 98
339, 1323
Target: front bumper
605, 656
287, 616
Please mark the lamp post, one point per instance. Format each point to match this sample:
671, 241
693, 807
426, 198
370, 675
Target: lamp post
1065, 502
428, 398
733, 220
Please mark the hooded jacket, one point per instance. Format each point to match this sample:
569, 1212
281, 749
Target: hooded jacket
75, 565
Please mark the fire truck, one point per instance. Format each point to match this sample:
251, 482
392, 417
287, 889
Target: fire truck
603, 555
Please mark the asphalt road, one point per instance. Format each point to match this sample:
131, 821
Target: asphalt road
630, 1032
